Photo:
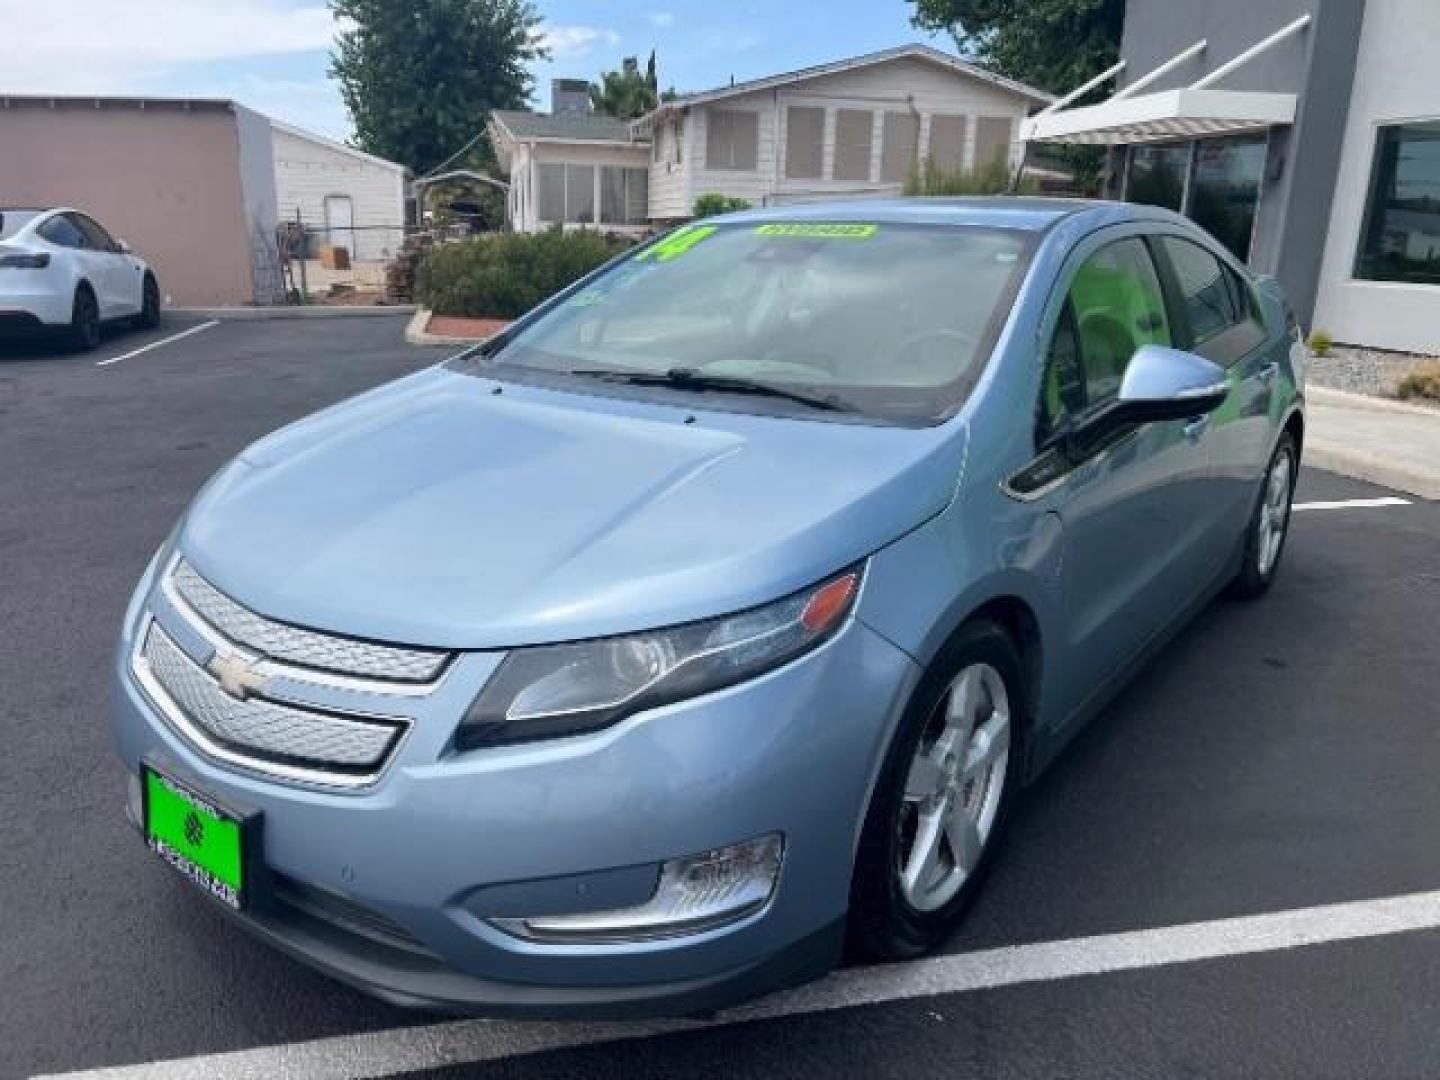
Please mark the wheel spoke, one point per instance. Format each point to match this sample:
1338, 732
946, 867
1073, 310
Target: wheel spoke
963, 837
989, 740
965, 700
924, 855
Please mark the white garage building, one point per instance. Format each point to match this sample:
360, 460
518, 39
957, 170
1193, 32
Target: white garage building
346, 197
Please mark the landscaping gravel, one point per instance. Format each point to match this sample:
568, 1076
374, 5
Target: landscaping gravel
1363, 371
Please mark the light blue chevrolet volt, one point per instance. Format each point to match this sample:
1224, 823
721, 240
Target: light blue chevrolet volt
714, 615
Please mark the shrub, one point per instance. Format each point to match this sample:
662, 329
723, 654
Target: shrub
504, 275
712, 203
1423, 382
1320, 342
991, 179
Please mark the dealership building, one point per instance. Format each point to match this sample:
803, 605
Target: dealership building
1304, 134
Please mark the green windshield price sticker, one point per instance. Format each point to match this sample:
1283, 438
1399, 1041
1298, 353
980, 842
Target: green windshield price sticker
825, 230
676, 244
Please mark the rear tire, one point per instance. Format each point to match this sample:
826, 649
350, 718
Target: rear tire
149, 316
1269, 524
84, 332
937, 783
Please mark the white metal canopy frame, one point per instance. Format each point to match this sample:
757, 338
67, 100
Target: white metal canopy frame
1186, 113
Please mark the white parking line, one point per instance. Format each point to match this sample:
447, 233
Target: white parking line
1352, 504
157, 344
464, 1042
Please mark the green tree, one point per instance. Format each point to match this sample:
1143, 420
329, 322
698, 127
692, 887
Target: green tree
1054, 45
419, 78
1051, 44
627, 93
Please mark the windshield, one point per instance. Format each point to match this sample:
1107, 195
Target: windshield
889, 320
12, 221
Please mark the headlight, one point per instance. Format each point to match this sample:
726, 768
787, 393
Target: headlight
555, 690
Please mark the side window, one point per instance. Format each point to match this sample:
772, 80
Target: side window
61, 230
1118, 306
1204, 289
1063, 394
95, 234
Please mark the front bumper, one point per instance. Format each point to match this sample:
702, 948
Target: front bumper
391, 888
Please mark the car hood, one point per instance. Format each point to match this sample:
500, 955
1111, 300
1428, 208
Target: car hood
441, 511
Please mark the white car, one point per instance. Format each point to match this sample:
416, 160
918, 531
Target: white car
59, 268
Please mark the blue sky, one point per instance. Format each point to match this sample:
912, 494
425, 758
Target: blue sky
272, 54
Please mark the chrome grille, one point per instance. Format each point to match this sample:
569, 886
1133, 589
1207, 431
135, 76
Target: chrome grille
257, 728
306, 648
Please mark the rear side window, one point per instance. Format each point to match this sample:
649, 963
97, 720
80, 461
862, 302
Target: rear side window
1214, 301
1208, 298
95, 235
61, 230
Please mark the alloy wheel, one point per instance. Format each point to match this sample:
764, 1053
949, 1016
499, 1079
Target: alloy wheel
1274, 517
953, 789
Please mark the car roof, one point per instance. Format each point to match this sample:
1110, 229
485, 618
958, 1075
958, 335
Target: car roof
1029, 212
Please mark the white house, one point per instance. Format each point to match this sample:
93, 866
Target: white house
851, 128
571, 168
349, 198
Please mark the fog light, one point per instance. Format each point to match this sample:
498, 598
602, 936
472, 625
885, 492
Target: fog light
694, 893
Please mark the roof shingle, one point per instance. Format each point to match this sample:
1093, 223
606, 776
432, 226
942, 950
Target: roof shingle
567, 125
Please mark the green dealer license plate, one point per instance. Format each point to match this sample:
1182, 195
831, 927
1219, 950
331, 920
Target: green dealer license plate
200, 839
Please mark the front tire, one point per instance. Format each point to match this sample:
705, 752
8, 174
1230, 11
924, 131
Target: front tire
943, 797
1269, 522
149, 316
83, 334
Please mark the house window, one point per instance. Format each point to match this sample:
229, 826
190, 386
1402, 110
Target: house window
1156, 175
902, 139
992, 141
854, 136
677, 139
1400, 240
580, 193
566, 193
804, 143
947, 142
1225, 186
732, 139
624, 195
550, 202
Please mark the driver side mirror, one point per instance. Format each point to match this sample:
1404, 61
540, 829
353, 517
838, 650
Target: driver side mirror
1159, 384
122, 248
1168, 384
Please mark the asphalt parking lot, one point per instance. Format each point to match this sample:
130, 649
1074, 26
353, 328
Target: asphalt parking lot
1277, 759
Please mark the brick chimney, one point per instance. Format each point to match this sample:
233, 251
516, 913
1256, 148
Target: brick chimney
569, 96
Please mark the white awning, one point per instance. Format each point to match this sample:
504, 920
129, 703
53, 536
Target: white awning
1186, 113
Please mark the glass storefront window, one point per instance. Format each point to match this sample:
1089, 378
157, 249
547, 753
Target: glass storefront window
1225, 186
1400, 240
1157, 174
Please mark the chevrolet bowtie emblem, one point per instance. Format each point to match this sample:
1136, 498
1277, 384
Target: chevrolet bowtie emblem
236, 675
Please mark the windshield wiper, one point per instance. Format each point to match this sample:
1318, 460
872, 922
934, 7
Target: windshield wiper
683, 378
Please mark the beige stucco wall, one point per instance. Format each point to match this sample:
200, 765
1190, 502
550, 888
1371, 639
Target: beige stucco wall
164, 178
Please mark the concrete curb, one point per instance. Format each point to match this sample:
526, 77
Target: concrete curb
251, 314
1344, 399
1358, 465
416, 334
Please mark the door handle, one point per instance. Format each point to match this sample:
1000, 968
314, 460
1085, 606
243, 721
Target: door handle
1196, 426
1268, 372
